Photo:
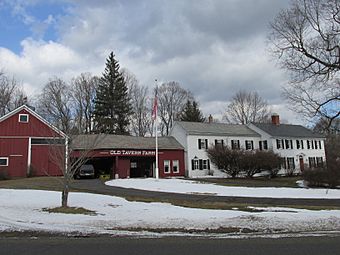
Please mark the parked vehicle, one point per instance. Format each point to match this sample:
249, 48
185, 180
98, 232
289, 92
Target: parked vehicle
85, 171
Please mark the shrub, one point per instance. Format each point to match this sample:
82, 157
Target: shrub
321, 177
251, 162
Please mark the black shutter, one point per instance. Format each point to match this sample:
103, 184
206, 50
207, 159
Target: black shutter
206, 143
222, 142
252, 145
192, 164
238, 144
208, 162
199, 144
201, 164
283, 143
260, 145
291, 144
215, 142
277, 144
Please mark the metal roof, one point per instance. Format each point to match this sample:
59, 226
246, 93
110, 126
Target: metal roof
204, 128
287, 130
108, 141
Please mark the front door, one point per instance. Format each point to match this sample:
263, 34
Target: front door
302, 165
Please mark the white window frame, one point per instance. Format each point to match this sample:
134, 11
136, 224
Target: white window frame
167, 163
6, 160
24, 115
205, 164
175, 163
196, 164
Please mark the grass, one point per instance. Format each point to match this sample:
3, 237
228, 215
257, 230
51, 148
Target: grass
70, 210
289, 182
246, 207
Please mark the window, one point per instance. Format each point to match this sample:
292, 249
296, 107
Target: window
3, 161
206, 164
283, 163
249, 145
235, 144
202, 144
312, 162
23, 118
175, 166
297, 144
200, 164
265, 145
133, 165
319, 162
279, 144
218, 142
290, 163
195, 164
166, 166
289, 144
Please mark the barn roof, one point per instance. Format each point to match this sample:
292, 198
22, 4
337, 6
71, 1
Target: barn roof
204, 128
108, 141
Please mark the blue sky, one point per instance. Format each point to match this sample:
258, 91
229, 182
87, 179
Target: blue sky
201, 44
22, 20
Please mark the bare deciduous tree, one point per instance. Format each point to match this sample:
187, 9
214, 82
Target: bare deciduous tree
55, 104
140, 101
306, 40
171, 101
246, 107
83, 95
11, 94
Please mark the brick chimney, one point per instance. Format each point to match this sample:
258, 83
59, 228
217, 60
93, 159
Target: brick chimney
275, 119
210, 119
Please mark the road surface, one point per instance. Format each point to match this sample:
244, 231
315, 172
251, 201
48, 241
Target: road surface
165, 246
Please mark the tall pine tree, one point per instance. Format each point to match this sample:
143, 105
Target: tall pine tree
112, 103
191, 112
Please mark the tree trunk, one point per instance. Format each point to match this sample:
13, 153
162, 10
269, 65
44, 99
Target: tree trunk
64, 195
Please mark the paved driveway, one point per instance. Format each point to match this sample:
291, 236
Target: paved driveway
97, 186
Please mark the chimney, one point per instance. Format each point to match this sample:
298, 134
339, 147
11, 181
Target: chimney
210, 119
275, 119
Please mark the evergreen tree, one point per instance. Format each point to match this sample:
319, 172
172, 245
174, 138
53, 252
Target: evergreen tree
191, 112
112, 103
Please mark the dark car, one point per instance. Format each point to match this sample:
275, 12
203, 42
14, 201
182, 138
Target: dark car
85, 171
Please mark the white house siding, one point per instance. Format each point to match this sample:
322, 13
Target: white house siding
194, 152
295, 153
181, 136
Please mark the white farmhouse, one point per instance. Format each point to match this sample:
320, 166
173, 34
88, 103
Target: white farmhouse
196, 137
298, 146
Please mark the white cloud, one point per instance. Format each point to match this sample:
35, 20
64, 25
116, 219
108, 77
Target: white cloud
214, 48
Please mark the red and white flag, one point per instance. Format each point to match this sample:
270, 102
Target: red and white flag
155, 107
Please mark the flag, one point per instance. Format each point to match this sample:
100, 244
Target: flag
155, 107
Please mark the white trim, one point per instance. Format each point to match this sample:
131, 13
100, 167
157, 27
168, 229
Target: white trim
7, 160
29, 155
175, 160
24, 114
167, 160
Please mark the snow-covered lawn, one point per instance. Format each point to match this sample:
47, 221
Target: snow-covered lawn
194, 187
22, 210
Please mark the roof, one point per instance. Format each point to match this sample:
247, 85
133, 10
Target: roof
287, 130
107, 141
204, 128
32, 112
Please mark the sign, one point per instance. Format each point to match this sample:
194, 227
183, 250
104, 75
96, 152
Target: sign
132, 153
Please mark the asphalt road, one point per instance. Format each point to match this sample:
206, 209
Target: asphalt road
164, 246
96, 186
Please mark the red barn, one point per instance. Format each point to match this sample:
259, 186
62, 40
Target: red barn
29, 145
129, 156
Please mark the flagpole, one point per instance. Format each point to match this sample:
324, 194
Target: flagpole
156, 132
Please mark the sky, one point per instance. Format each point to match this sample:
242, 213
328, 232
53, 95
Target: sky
213, 48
